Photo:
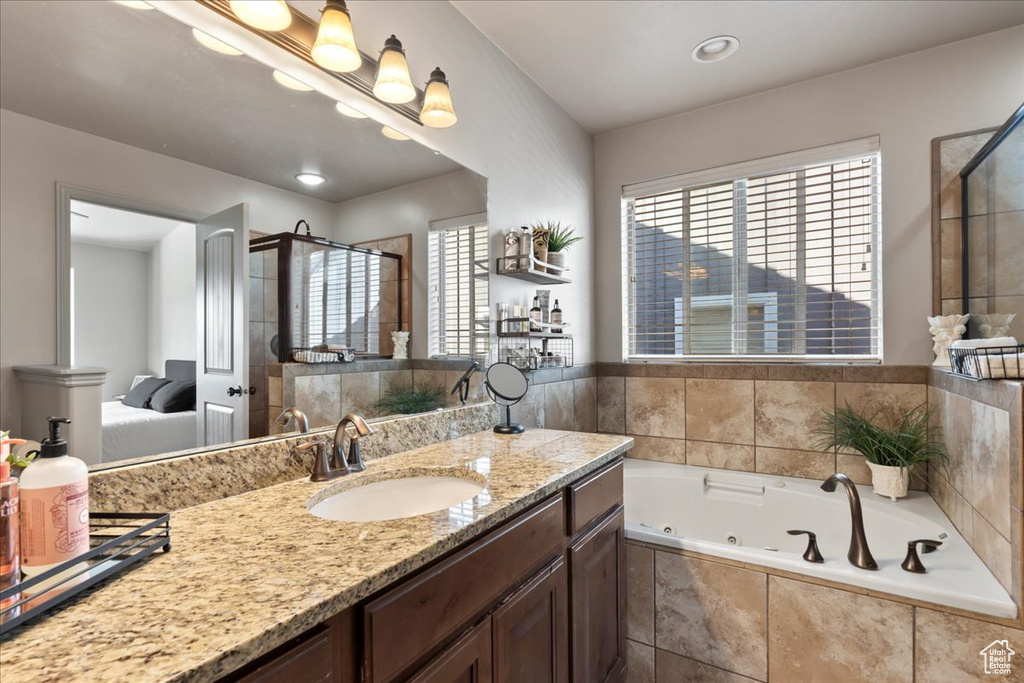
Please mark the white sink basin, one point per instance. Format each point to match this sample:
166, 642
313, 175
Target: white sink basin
397, 498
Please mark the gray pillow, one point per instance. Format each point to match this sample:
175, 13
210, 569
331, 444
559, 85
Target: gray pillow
174, 397
142, 392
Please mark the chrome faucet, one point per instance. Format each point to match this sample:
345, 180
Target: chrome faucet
300, 419
860, 554
339, 459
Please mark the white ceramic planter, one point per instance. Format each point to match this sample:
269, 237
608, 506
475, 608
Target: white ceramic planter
556, 259
888, 481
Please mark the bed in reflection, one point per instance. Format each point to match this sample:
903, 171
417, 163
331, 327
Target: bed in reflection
158, 415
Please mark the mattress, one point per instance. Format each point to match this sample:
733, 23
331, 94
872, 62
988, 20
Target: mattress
134, 432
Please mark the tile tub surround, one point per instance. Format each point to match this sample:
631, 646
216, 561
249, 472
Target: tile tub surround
249, 572
783, 629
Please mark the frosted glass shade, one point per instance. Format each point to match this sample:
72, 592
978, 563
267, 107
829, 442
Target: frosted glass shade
266, 15
393, 85
335, 47
438, 111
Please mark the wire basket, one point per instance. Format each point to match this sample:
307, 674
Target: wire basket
992, 362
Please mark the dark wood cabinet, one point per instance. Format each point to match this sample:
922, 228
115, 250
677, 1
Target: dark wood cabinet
467, 660
531, 643
597, 574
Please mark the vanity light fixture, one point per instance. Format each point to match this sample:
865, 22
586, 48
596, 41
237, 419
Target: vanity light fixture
311, 179
349, 111
390, 132
438, 111
715, 49
208, 41
394, 85
134, 4
335, 47
290, 82
266, 15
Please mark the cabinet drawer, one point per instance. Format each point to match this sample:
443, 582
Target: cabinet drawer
414, 619
591, 498
310, 662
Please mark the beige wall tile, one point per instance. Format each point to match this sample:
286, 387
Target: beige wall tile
274, 391
721, 455
319, 397
785, 413
793, 463
397, 380
994, 551
953, 504
655, 406
428, 378
558, 405
639, 662
712, 613
640, 593
855, 466
720, 410
947, 647
671, 668
883, 400
360, 392
990, 455
822, 634
656, 448
585, 396
477, 393
611, 405
959, 436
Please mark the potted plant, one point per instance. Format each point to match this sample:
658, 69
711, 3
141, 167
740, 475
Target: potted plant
892, 443
411, 401
559, 239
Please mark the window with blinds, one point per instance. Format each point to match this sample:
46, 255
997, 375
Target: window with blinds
770, 260
459, 304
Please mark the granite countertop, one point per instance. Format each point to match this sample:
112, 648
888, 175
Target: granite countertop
249, 572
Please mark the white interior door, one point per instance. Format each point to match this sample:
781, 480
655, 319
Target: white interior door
222, 367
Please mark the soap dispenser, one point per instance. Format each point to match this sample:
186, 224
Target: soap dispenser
54, 505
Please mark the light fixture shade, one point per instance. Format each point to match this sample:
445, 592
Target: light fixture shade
438, 111
349, 111
290, 82
390, 132
335, 47
266, 15
394, 84
208, 41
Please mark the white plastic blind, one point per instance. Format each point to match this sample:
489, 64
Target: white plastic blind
778, 265
459, 304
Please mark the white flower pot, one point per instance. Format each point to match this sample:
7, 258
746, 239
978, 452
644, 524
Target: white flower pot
890, 481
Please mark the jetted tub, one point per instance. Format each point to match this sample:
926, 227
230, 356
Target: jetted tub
744, 516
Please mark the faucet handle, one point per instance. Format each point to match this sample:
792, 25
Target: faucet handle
912, 563
321, 469
812, 554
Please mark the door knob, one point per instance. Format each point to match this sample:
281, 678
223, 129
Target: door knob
235, 391
250, 391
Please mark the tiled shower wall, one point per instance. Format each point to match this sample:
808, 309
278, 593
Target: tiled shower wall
262, 327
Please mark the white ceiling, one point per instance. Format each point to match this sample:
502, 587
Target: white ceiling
615, 64
109, 227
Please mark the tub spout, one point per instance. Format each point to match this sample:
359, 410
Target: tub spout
860, 554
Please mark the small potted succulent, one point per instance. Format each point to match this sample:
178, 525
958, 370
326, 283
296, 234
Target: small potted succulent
892, 442
559, 239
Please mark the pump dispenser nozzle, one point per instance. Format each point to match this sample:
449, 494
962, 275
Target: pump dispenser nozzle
54, 447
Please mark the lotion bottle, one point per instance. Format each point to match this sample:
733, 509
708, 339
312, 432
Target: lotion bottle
54, 505
10, 548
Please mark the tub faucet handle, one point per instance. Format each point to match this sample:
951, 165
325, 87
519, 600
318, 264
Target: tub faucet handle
812, 554
912, 563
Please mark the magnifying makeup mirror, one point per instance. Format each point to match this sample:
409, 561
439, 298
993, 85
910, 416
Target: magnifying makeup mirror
506, 385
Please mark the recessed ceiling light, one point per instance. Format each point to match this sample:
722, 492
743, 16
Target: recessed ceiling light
311, 179
715, 49
349, 111
390, 132
289, 82
134, 4
208, 41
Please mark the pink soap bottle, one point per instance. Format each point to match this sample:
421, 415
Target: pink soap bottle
10, 547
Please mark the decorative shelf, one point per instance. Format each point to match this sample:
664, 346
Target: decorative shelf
513, 266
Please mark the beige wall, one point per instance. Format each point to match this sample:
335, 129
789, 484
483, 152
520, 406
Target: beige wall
909, 100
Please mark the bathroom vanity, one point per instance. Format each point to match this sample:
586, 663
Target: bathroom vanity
525, 582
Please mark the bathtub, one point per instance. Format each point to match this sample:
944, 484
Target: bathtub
743, 516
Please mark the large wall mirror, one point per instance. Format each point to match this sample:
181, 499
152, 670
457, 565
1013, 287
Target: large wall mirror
308, 238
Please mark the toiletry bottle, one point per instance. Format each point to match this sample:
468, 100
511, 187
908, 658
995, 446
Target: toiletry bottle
556, 319
535, 314
10, 549
54, 505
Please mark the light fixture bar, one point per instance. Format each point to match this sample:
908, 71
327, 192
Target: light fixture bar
299, 38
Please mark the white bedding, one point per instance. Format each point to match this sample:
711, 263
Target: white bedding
133, 432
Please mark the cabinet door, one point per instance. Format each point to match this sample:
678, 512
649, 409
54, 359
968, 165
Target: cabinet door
531, 641
598, 566
467, 660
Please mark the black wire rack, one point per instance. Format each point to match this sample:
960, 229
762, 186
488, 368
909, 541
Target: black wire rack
993, 362
117, 540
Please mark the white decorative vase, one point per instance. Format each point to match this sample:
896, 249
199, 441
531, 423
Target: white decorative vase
401, 342
945, 330
994, 325
888, 481
556, 259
